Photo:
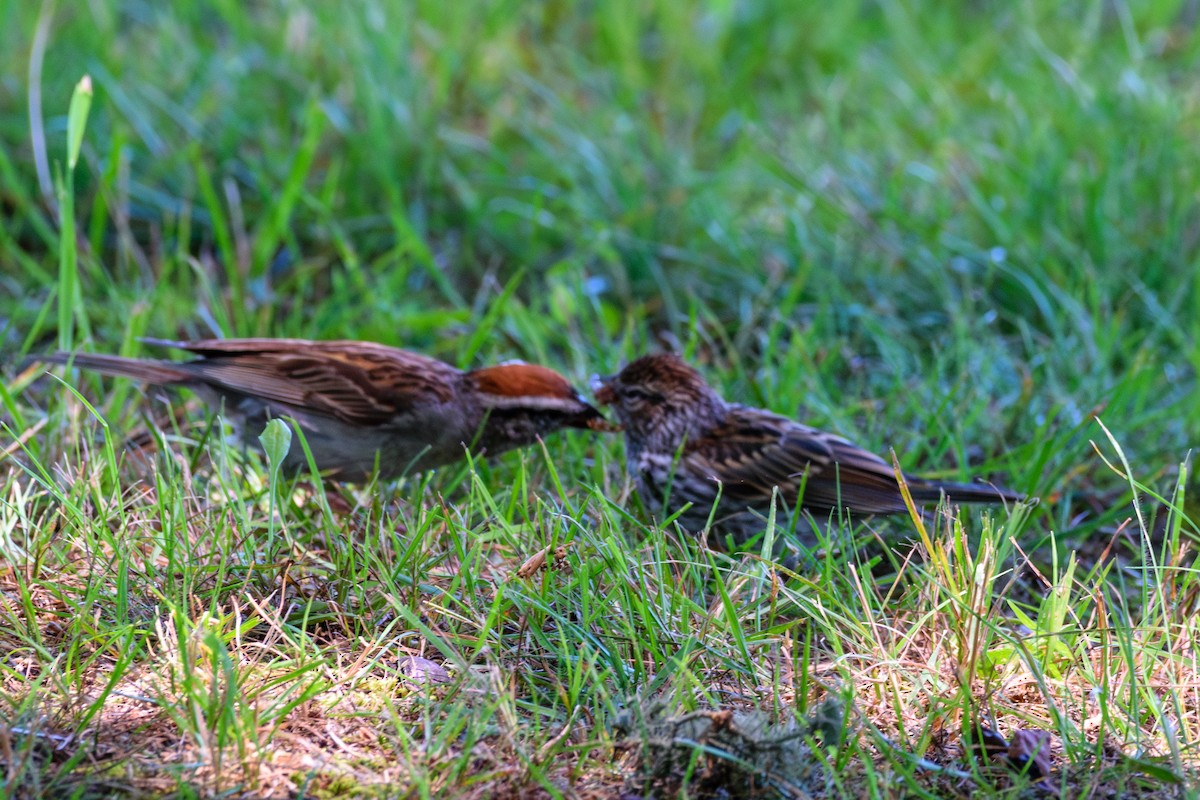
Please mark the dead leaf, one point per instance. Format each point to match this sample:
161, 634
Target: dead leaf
533, 564
422, 670
537, 561
1030, 751
985, 742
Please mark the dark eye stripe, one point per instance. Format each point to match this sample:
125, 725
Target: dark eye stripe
643, 395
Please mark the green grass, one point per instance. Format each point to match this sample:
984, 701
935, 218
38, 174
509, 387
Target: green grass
962, 231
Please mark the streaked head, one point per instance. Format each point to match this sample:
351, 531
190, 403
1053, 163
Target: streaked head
658, 394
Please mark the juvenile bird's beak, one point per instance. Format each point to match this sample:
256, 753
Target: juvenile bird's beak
591, 418
602, 389
603, 425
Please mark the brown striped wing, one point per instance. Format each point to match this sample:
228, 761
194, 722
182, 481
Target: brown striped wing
752, 451
360, 383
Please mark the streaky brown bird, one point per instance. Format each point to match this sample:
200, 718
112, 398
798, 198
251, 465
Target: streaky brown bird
359, 403
686, 445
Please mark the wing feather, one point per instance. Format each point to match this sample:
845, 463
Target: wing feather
753, 451
359, 383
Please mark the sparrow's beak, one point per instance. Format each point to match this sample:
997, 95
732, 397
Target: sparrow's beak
602, 389
592, 419
603, 425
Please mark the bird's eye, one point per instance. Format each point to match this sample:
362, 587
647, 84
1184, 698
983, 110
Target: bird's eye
640, 395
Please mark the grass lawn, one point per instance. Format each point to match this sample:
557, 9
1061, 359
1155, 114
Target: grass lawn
966, 232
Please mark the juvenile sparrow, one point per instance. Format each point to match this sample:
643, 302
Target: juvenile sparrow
685, 444
361, 402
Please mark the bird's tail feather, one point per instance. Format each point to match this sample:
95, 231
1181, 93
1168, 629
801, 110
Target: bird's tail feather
156, 372
932, 492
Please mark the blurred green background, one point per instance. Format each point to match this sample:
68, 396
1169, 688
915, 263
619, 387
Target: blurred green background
962, 230
957, 229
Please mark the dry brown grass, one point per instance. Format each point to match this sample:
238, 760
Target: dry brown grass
310, 664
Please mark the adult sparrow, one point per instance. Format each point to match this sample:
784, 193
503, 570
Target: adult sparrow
359, 403
685, 444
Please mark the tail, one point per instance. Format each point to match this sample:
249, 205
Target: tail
926, 491
156, 372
